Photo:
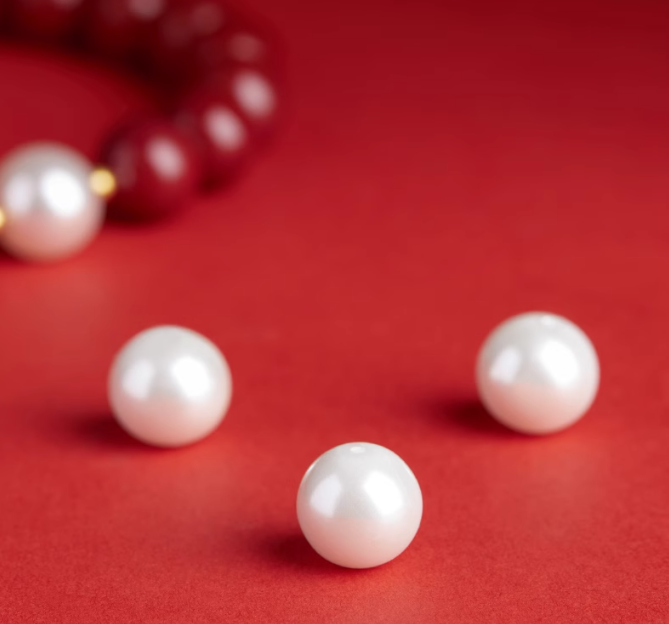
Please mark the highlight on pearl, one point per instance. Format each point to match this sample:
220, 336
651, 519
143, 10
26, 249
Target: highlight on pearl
49, 209
537, 373
359, 505
169, 386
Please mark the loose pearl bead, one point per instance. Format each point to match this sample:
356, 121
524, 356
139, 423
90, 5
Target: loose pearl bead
537, 373
169, 386
157, 170
49, 208
359, 505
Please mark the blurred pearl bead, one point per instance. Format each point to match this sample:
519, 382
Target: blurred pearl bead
49, 208
169, 386
359, 505
537, 373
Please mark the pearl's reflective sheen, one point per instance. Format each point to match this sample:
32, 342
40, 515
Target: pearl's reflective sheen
359, 505
537, 373
50, 210
169, 386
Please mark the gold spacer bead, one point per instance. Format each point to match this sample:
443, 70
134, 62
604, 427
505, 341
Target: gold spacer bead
102, 182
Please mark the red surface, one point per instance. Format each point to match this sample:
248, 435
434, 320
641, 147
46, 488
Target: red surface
441, 169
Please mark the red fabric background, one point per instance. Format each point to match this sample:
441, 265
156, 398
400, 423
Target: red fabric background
442, 167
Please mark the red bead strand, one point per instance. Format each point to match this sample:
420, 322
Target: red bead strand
218, 78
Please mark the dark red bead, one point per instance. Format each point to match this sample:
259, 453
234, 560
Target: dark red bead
119, 28
47, 20
157, 170
218, 129
184, 26
239, 45
252, 94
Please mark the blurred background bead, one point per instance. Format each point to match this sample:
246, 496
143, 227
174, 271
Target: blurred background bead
156, 167
49, 208
256, 98
169, 386
46, 20
119, 28
252, 94
236, 45
359, 505
537, 373
240, 44
219, 131
185, 25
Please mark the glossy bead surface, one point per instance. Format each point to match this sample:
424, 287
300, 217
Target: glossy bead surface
359, 505
156, 167
45, 19
49, 209
183, 27
218, 130
169, 386
537, 373
252, 94
117, 28
239, 45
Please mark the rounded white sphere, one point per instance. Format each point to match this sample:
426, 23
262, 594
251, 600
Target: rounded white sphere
359, 505
169, 386
537, 373
49, 209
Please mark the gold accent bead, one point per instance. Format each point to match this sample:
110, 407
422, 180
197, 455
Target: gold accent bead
103, 182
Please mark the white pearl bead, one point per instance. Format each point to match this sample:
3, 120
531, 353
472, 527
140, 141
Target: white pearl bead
169, 386
537, 373
48, 207
359, 505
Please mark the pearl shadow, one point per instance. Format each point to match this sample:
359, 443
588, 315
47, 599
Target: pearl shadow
292, 550
102, 431
468, 416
